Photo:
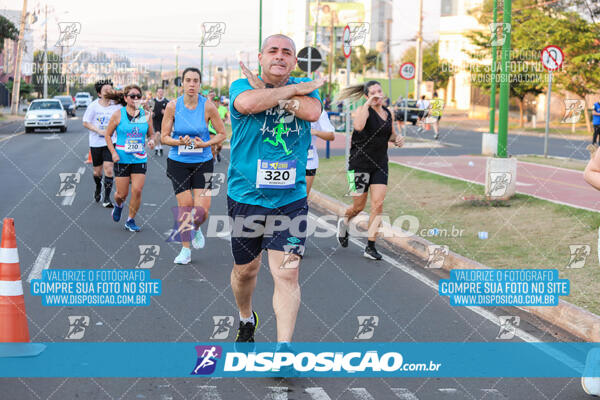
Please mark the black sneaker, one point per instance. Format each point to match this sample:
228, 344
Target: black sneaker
218, 157
160, 152
97, 193
246, 330
372, 254
342, 233
107, 204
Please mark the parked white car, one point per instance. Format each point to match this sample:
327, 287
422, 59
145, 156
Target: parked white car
83, 99
45, 114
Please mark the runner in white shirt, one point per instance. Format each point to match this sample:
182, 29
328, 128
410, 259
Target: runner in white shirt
96, 119
423, 106
324, 130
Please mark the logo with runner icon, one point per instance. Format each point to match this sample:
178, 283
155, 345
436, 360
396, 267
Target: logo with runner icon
280, 122
578, 255
77, 326
366, 326
68, 183
437, 256
207, 359
223, 324
499, 183
573, 111
68, 32
148, 255
211, 33
508, 326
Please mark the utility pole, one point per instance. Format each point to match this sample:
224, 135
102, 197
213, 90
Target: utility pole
389, 57
14, 105
259, 31
419, 61
331, 51
46, 52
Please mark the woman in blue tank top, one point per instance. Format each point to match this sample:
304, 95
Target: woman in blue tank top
129, 151
190, 162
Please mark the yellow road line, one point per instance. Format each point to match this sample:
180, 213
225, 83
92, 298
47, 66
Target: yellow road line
12, 136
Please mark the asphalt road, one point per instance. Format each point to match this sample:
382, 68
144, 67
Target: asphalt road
338, 286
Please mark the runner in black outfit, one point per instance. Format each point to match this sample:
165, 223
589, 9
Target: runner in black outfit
368, 162
160, 103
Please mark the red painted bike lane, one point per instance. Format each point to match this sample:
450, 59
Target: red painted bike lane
558, 185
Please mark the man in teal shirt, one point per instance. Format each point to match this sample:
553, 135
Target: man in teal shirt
270, 120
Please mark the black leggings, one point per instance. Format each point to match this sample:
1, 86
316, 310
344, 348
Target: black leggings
596, 133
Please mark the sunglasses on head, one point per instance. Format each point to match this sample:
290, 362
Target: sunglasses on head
134, 96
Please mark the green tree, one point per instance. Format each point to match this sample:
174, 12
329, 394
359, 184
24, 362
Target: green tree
7, 31
535, 26
433, 66
55, 78
26, 89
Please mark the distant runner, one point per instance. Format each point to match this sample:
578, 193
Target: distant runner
160, 103
95, 119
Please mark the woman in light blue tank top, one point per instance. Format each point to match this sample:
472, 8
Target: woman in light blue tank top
129, 151
190, 161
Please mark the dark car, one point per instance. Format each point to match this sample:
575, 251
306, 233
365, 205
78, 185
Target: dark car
412, 114
68, 104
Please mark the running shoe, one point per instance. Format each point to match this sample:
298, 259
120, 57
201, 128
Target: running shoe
198, 240
97, 193
218, 157
246, 330
372, 254
116, 213
342, 232
436, 136
131, 226
286, 371
107, 204
184, 257
160, 152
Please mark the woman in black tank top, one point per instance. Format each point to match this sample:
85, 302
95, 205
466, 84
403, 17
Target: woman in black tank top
368, 161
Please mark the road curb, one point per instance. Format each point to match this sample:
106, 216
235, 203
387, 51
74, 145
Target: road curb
567, 316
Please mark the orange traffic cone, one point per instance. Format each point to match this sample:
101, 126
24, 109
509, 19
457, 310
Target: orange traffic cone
13, 318
89, 159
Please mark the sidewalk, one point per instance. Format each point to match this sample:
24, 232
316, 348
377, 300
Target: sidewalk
482, 126
558, 185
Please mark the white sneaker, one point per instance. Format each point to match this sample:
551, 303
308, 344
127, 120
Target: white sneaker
184, 257
198, 240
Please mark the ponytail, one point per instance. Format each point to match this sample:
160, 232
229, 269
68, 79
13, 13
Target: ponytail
356, 91
119, 96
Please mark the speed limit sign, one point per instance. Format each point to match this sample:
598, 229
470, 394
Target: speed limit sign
407, 71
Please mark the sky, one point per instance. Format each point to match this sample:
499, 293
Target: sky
149, 31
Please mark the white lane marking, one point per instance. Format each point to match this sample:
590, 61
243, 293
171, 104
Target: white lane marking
491, 394
11, 288
493, 318
361, 394
277, 393
41, 263
525, 184
404, 394
209, 393
447, 390
81, 170
150, 204
68, 200
9, 255
317, 393
51, 137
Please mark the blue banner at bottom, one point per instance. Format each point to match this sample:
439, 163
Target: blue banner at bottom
220, 359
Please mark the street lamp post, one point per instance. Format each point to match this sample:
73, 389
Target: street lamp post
504, 82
